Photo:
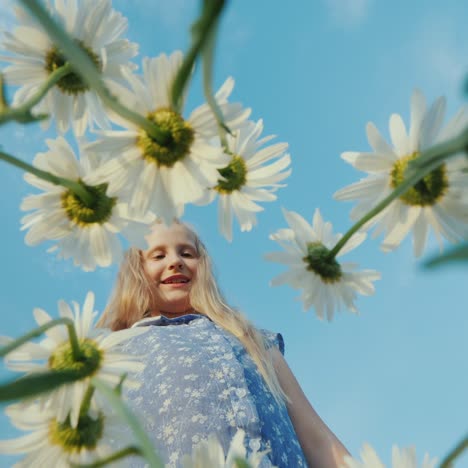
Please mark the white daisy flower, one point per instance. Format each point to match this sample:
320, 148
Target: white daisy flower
401, 458
88, 234
327, 284
247, 178
210, 453
100, 357
58, 444
438, 201
97, 28
164, 177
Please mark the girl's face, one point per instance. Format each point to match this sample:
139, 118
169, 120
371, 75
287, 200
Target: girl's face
171, 262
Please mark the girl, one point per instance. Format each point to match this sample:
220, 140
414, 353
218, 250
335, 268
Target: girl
208, 370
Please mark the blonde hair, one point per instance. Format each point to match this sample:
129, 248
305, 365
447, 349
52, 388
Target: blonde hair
132, 298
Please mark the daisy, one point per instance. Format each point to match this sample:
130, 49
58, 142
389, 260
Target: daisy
86, 233
163, 177
101, 357
97, 29
58, 444
437, 201
247, 179
401, 458
210, 453
327, 284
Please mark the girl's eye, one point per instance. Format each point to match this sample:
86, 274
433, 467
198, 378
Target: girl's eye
187, 254
158, 256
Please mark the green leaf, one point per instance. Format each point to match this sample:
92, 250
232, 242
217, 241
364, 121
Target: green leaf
35, 384
122, 410
456, 254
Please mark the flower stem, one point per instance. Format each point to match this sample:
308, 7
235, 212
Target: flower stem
201, 31
22, 113
87, 70
442, 151
111, 458
146, 447
402, 188
207, 85
86, 402
447, 462
34, 384
40, 330
3, 101
73, 185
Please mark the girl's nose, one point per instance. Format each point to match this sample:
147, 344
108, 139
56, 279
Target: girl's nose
176, 262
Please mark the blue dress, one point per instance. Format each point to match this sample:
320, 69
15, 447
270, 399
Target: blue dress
200, 380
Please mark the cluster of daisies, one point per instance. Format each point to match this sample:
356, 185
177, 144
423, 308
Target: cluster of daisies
70, 424
130, 178
438, 201
121, 178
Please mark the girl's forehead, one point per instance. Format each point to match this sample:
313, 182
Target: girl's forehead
170, 235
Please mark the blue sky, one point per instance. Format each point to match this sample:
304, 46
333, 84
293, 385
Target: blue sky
316, 74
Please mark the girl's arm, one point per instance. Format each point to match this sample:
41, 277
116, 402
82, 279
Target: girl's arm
321, 447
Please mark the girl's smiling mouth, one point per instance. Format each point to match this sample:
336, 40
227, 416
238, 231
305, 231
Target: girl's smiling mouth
176, 280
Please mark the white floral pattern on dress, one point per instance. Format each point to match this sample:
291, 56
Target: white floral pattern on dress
199, 380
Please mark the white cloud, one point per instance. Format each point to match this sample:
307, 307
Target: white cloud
348, 13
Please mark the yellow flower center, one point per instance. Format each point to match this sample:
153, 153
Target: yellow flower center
88, 363
99, 211
180, 138
71, 83
235, 176
428, 191
319, 261
72, 440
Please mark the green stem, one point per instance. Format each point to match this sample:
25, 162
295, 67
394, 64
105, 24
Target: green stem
208, 88
87, 70
33, 384
111, 458
201, 31
146, 447
86, 402
447, 462
442, 150
22, 113
40, 330
402, 188
3, 101
73, 185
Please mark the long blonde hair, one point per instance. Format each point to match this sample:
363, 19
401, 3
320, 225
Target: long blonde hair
133, 296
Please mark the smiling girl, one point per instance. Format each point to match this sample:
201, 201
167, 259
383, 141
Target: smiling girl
208, 369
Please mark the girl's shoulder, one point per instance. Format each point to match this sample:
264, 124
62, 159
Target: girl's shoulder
272, 339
